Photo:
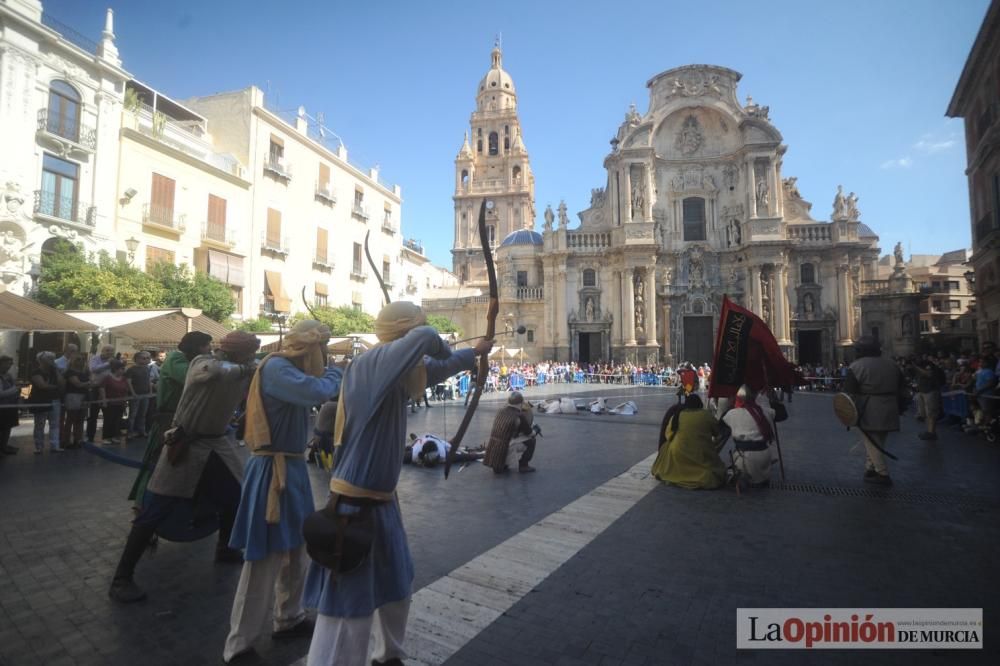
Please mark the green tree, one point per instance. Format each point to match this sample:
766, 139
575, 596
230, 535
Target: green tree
443, 324
71, 281
344, 320
200, 290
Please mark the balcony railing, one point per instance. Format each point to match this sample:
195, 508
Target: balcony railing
810, 233
278, 168
357, 272
580, 240
324, 193
163, 217
65, 209
217, 233
69, 34
80, 135
388, 226
528, 293
413, 244
411, 286
359, 210
272, 244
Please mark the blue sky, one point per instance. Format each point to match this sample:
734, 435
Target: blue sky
858, 89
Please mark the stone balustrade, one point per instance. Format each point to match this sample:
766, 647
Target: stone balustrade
588, 240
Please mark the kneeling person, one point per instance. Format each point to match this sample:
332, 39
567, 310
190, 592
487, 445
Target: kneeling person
511, 425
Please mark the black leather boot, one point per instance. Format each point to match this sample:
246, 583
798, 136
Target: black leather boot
123, 588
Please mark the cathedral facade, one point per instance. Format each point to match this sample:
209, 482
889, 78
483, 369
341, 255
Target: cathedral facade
695, 207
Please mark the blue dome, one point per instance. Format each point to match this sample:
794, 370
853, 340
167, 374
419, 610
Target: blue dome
522, 237
864, 231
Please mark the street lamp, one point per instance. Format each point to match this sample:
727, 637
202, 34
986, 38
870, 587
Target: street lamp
132, 244
970, 278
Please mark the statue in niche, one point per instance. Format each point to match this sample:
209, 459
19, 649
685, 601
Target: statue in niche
839, 204
696, 268
638, 292
734, 233
689, 138
907, 325
763, 194
638, 198
590, 309
808, 304
898, 253
853, 214
563, 217
549, 217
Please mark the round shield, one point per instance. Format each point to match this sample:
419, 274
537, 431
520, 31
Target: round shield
845, 410
323, 530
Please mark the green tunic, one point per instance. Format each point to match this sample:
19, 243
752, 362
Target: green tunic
168, 394
689, 457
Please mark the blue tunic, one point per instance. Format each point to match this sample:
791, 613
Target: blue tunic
288, 395
371, 457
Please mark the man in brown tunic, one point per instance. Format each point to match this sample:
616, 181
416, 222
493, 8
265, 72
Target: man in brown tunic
514, 420
204, 480
876, 385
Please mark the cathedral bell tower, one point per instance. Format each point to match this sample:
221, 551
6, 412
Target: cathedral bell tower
493, 165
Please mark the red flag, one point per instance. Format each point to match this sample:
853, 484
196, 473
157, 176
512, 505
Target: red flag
746, 353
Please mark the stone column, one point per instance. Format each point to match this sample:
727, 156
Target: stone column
627, 187
617, 331
754, 300
651, 307
628, 307
649, 194
843, 303
779, 305
751, 186
666, 330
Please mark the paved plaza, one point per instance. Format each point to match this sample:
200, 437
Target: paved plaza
654, 578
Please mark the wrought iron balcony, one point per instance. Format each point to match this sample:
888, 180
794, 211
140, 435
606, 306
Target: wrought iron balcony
273, 244
58, 128
66, 209
388, 227
324, 194
413, 244
163, 217
218, 234
358, 210
278, 168
357, 273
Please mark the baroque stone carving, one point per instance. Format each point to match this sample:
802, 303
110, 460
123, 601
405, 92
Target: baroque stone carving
755, 110
689, 138
731, 175
839, 204
897, 252
597, 197
696, 267
11, 200
693, 85
853, 214
549, 217
638, 232
632, 117
638, 197
763, 195
563, 217
590, 308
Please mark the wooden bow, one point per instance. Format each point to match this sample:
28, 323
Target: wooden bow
484, 362
378, 273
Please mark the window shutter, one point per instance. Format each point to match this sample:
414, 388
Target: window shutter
321, 289
322, 244
324, 176
162, 202
216, 210
273, 227
236, 271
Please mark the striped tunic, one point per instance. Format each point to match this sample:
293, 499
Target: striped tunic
510, 422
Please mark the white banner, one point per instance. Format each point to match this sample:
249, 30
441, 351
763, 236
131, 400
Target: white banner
859, 628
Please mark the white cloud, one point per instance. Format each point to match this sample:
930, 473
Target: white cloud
900, 163
930, 144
